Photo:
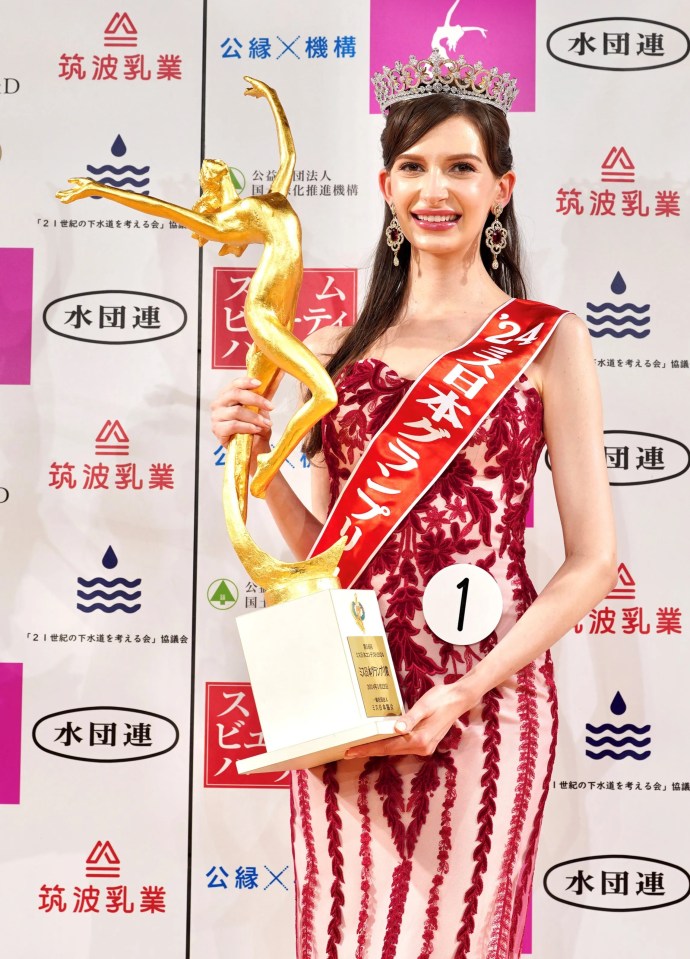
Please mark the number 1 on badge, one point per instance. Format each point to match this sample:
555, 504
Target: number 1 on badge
463, 602
463, 626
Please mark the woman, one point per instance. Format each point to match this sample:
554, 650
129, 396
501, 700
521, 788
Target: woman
423, 845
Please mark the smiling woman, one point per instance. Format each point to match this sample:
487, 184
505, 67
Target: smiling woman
423, 845
434, 191
443, 156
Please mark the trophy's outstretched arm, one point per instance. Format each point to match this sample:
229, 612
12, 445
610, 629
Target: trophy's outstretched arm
150, 204
283, 178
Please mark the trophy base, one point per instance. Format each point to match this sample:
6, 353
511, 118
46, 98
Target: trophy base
314, 752
322, 681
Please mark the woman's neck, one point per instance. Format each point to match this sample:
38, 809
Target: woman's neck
440, 287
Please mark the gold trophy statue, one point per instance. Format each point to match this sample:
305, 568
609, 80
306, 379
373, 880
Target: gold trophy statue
304, 722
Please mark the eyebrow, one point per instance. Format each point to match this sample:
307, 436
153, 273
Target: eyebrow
454, 156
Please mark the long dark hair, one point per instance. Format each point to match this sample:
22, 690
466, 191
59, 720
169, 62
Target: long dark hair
407, 123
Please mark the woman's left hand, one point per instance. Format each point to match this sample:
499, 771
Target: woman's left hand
423, 727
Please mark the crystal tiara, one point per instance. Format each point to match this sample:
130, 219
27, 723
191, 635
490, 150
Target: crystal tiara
438, 74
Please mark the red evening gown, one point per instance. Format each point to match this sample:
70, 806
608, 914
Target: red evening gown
413, 857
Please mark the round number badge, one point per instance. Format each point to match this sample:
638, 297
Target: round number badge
462, 604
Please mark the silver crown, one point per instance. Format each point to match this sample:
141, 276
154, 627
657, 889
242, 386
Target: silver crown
438, 74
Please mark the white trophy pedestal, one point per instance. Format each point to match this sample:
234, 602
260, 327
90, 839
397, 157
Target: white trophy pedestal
322, 678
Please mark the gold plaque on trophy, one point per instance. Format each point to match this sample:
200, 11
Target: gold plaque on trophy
375, 675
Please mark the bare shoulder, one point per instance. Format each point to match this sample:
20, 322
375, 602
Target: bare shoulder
325, 342
572, 333
568, 352
570, 343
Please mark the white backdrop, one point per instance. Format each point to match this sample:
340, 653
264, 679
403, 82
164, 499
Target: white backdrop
123, 697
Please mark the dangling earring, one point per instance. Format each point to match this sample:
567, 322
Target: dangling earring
496, 235
394, 236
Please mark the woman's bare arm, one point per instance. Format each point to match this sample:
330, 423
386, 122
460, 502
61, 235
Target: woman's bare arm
573, 428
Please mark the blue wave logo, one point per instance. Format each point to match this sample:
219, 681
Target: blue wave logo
625, 319
117, 595
125, 176
625, 741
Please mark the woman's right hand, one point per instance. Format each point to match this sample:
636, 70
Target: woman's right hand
231, 413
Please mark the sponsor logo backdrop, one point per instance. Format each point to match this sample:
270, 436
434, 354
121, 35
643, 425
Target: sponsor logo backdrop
118, 587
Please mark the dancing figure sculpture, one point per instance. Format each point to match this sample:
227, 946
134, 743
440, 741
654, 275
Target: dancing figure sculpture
221, 215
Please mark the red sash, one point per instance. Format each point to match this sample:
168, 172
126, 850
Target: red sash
435, 419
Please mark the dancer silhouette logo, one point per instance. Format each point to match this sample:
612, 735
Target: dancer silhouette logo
501, 35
